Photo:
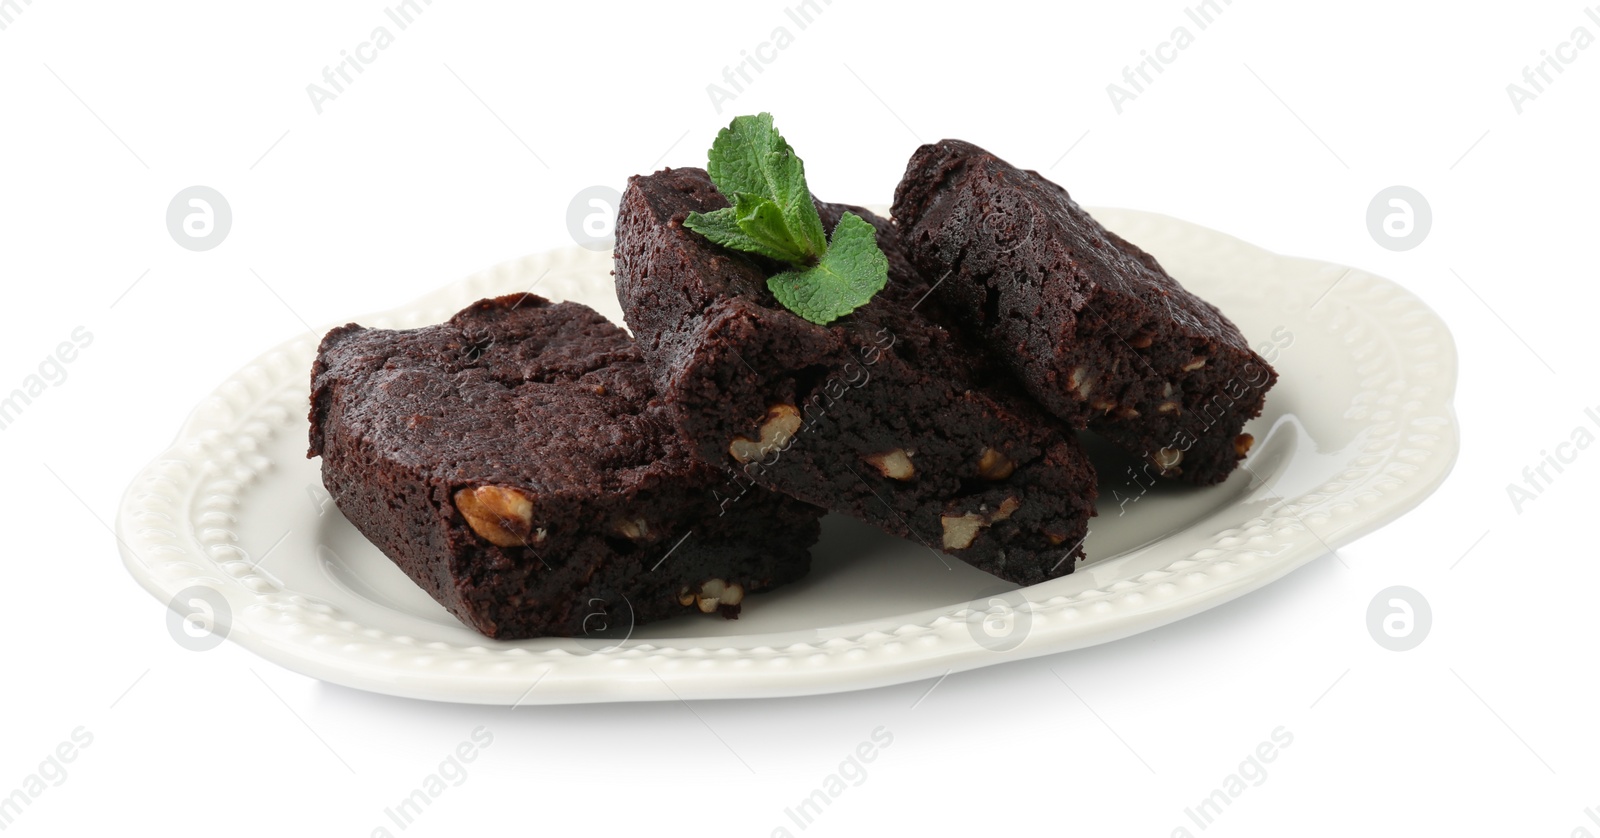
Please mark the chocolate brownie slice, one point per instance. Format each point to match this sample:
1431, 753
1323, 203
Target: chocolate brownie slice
516, 463
1096, 330
884, 414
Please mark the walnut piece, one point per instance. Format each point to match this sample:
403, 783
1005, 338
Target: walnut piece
961, 530
994, 465
779, 426
895, 465
1081, 380
713, 594
632, 528
1168, 459
503, 516
1242, 443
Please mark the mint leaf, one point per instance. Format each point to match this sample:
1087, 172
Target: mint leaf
750, 157
852, 270
762, 221
774, 215
722, 227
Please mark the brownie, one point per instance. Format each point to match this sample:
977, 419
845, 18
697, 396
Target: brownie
516, 463
885, 414
1092, 325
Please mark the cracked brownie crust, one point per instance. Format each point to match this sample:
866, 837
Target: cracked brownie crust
1092, 325
884, 415
516, 463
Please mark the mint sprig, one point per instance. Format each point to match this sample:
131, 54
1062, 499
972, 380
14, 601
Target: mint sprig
849, 274
773, 215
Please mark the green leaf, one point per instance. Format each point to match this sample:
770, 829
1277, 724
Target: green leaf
762, 221
772, 214
852, 270
722, 227
751, 157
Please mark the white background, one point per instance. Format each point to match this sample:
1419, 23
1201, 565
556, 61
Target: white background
462, 144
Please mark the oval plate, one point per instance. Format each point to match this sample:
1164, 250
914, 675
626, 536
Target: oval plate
1358, 430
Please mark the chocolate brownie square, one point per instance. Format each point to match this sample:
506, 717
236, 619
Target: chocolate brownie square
1092, 325
884, 414
516, 463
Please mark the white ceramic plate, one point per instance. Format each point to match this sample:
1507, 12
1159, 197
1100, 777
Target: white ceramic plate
1358, 431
